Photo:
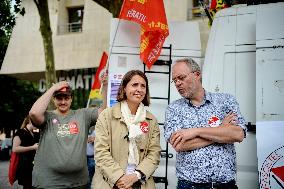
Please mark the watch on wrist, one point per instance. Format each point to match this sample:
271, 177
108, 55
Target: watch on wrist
141, 176
138, 175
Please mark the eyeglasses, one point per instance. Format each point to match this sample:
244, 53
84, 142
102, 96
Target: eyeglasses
180, 78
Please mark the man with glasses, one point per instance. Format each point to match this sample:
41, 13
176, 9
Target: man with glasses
202, 127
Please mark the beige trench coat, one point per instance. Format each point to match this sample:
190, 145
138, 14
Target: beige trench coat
112, 149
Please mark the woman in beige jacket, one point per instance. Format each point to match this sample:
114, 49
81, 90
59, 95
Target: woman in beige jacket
127, 139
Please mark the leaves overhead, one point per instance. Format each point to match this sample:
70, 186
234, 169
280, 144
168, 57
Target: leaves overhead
16, 96
7, 22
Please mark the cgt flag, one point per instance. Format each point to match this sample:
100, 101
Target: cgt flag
150, 14
215, 6
95, 92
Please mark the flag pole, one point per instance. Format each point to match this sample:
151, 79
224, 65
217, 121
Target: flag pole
107, 64
88, 103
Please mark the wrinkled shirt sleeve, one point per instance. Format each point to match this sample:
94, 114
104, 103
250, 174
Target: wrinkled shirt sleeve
233, 106
172, 122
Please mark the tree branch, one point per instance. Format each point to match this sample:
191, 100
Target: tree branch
37, 4
113, 6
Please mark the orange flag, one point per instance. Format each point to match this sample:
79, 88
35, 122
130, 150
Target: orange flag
215, 6
150, 14
95, 92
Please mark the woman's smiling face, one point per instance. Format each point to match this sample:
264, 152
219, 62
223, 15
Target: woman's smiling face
135, 90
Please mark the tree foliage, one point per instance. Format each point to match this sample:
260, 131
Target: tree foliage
7, 21
15, 96
16, 99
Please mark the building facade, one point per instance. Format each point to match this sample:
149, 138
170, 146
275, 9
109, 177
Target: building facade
80, 30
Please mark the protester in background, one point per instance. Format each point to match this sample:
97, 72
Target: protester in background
90, 154
202, 127
25, 144
127, 138
91, 163
60, 161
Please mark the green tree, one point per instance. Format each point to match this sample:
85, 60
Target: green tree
15, 96
7, 21
16, 101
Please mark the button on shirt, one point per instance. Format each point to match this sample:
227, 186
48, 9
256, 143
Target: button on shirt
213, 163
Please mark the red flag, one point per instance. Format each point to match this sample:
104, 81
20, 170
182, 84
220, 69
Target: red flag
150, 14
215, 6
95, 92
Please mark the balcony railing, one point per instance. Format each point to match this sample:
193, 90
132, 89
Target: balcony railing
74, 27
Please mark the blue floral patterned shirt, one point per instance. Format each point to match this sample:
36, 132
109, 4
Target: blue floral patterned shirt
213, 163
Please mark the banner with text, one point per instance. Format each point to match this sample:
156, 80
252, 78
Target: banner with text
150, 14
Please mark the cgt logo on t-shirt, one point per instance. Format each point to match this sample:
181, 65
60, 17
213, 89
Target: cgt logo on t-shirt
67, 129
73, 128
214, 121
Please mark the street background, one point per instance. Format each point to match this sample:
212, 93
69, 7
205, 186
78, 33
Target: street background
4, 182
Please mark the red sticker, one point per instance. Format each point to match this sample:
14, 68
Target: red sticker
73, 128
144, 126
214, 121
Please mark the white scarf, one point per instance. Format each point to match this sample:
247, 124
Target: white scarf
133, 129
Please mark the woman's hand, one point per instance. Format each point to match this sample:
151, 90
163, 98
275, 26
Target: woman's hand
126, 181
35, 146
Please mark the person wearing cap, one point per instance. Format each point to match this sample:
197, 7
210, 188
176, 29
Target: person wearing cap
60, 161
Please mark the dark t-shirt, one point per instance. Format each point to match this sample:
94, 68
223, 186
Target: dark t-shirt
25, 166
60, 161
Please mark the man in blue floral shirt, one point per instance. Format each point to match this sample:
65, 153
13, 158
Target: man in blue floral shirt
202, 127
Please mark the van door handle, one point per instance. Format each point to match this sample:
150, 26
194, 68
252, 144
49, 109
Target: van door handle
164, 154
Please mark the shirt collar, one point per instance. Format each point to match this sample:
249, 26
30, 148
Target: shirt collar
207, 99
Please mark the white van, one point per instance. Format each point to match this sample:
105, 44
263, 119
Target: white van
241, 39
245, 57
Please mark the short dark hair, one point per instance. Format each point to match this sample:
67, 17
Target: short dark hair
125, 80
